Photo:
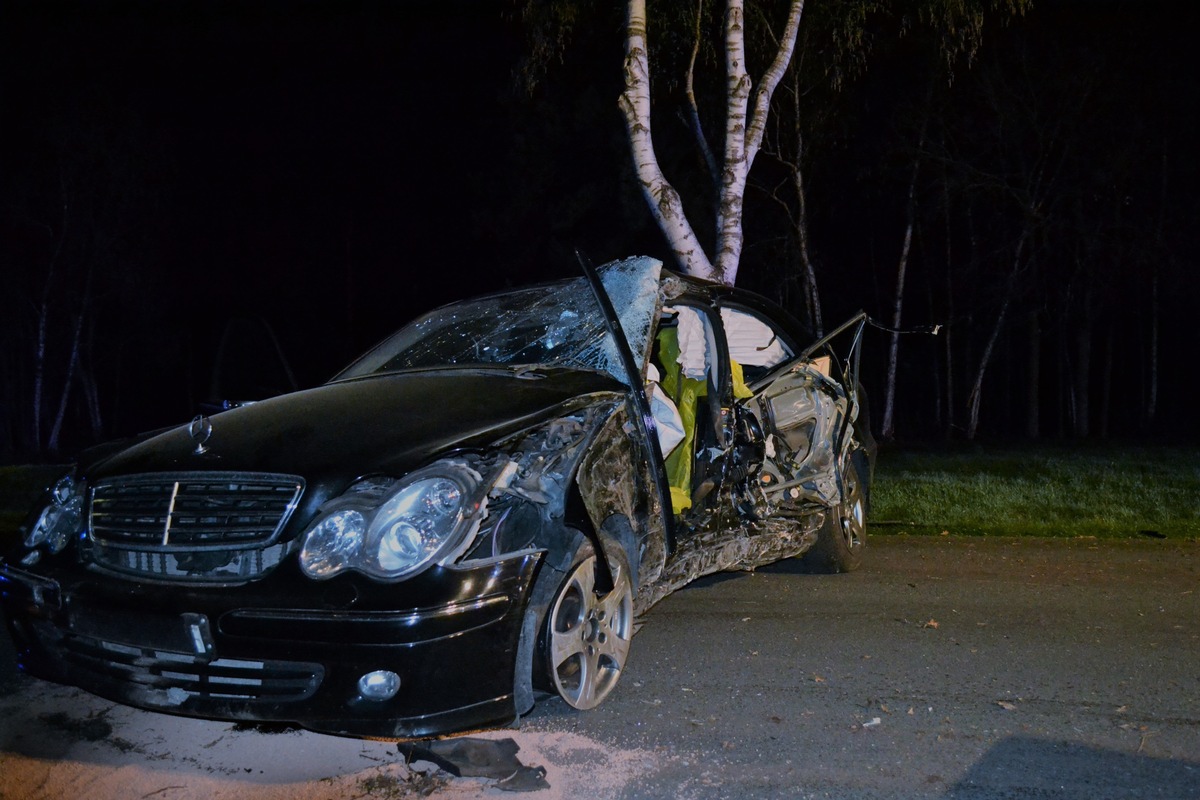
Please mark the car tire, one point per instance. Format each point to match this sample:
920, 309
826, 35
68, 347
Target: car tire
588, 627
843, 535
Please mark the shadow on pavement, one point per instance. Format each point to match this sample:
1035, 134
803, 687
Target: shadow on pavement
1028, 767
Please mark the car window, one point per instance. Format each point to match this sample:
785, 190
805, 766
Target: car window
753, 342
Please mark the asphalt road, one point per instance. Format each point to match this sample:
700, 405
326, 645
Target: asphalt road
946, 668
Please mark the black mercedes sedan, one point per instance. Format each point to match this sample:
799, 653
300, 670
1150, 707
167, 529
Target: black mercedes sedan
468, 517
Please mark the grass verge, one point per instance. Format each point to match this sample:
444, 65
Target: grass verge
1108, 492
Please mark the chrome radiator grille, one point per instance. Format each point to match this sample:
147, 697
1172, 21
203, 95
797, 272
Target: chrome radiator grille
198, 525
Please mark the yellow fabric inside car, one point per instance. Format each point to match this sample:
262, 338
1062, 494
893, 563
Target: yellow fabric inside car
686, 392
740, 390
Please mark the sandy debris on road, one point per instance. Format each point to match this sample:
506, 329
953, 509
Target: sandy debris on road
60, 742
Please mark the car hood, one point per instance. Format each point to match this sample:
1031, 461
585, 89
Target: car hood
378, 424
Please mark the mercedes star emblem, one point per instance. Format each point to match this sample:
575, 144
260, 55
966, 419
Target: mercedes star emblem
200, 430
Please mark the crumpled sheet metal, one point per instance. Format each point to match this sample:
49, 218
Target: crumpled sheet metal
805, 422
720, 539
542, 460
739, 546
615, 481
632, 285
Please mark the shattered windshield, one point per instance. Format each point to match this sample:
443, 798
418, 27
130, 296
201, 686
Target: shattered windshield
558, 324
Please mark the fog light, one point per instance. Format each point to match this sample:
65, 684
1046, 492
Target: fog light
379, 685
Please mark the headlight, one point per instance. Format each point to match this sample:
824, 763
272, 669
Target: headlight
61, 519
393, 533
333, 544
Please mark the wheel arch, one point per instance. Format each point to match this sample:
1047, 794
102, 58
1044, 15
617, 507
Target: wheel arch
609, 502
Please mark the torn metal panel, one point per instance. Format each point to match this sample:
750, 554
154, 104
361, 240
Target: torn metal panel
741, 546
632, 288
614, 482
533, 472
803, 412
544, 459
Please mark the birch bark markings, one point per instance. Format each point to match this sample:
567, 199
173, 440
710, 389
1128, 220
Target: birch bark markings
664, 202
745, 124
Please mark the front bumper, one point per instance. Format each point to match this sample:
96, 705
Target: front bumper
238, 653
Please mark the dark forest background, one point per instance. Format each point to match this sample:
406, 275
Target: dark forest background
217, 199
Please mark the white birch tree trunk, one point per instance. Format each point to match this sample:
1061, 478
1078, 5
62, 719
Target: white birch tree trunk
52, 443
745, 123
663, 200
1152, 396
745, 126
40, 354
888, 428
1033, 381
973, 400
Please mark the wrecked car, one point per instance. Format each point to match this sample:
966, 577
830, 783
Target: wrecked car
468, 517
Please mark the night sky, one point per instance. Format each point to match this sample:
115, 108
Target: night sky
299, 154
330, 168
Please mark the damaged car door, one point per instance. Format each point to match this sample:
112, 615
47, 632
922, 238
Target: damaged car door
804, 415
